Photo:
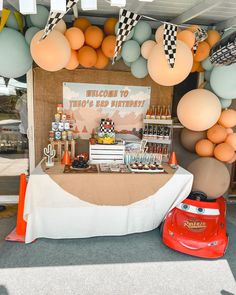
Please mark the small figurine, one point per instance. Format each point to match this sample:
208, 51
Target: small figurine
50, 153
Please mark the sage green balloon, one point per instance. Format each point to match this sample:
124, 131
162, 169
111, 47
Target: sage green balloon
130, 51
40, 19
127, 63
207, 65
29, 34
142, 32
130, 35
139, 68
15, 57
11, 21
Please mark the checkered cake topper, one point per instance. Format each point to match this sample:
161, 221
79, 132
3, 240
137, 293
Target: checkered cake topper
169, 42
200, 35
127, 21
55, 17
107, 126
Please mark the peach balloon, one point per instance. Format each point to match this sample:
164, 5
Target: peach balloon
60, 26
75, 37
73, 62
109, 45
199, 109
229, 130
159, 34
51, 54
82, 23
102, 60
195, 66
228, 118
213, 37
204, 148
93, 36
224, 152
202, 52
160, 70
233, 159
109, 26
147, 47
231, 140
87, 56
193, 28
187, 37
217, 134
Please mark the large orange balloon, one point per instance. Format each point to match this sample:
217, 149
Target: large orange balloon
160, 70
102, 60
213, 37
75, 37
217, 134
202, 52
82, 23
94, 36
109, 26
199, 109
224, 152
204, 148
231, 140
73, 62
228, 118
187, 37
51, 54
87, 56
109, 45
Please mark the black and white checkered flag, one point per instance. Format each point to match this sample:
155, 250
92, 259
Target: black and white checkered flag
127, 21
169, 42
55, 17
200, 35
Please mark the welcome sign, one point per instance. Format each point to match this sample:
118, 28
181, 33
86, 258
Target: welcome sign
87, 104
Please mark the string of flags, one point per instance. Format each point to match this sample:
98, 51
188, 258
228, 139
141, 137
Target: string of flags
128, 20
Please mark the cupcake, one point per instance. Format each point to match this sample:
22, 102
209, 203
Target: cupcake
146, 167
134, 166
140, 166
152, 166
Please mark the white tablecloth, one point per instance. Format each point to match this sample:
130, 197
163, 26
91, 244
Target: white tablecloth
51, 212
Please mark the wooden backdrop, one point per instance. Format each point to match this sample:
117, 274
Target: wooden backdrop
48, 93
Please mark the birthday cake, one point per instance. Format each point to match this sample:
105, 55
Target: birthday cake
106, 133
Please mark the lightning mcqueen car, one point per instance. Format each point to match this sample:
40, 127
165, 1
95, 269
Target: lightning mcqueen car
197, 227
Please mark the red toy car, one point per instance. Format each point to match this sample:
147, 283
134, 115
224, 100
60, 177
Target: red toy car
197, 227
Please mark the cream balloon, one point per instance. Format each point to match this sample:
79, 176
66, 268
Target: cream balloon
60, 26
160, 70
159, 34
51, 54
147, 47
199, 109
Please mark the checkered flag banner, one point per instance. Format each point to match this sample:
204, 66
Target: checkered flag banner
200, 35
224, 52
169, 42
127, 21
55, 17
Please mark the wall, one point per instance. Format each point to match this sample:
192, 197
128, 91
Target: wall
48, 93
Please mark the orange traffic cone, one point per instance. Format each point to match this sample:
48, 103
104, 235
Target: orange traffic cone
66, 158
173, 161
18, 234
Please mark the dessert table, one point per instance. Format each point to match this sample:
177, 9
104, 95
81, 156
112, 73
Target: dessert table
60, 205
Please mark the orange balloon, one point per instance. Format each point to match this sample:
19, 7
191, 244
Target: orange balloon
231, 140
73, 62
228, 118
51, 54
82, 23
109, 26
217, 134
195, 66
102, 60
229, 130
187, 37
233, 159
75, 37
87, 56
204, 148
109, 45
193, 28
94, 36
213, 37
202, 52
224, 152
